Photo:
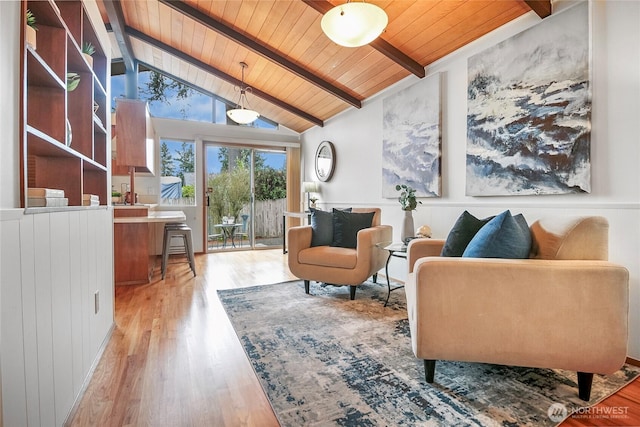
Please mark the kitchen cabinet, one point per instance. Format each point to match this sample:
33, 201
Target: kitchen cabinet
135, 137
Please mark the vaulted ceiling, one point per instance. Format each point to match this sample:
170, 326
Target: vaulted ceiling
299, 77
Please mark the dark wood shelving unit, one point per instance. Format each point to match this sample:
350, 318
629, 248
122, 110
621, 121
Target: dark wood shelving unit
50, 159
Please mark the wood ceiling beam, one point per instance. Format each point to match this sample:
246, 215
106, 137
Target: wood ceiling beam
221, 74
262, 50
541, 7
379, 44
117, 23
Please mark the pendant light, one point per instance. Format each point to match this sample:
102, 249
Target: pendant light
240, 114
354, 24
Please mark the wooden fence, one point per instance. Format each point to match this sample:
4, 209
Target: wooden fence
268, 220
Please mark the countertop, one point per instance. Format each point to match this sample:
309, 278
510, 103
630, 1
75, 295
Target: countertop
137, 205
153, 216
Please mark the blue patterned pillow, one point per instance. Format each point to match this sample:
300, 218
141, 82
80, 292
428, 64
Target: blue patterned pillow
505, 236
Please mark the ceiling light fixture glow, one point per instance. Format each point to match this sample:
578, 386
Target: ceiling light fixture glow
240, 114
354, 24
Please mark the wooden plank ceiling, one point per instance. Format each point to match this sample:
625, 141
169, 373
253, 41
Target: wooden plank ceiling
299, 77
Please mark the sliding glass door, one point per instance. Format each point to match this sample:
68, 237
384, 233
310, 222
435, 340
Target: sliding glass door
245, 197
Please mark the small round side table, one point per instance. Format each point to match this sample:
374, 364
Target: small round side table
397, 250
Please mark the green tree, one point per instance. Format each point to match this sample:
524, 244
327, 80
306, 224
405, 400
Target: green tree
186, 159
230, 192
270, 184
188, 191
162, 88
238, 156
166, 161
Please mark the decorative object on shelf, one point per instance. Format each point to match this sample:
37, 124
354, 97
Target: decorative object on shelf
409, 203
95, 107
73, 79
354, 24
69, 134
240, 114
313, 201
325, 161
30, 30
87, 51
423, 231
310, 187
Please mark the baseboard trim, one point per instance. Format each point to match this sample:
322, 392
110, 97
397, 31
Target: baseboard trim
632, 361
87, 379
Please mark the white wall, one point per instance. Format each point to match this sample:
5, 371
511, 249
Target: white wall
10, 105
615, 147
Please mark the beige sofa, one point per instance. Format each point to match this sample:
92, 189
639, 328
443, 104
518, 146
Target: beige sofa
565, 308
338, 265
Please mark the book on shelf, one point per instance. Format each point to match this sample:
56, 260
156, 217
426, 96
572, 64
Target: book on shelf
35, 192
49, 202
90, 200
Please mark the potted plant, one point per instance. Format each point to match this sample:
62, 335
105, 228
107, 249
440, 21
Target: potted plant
88, 50
30, 30
313, 201
409, 203
115, 197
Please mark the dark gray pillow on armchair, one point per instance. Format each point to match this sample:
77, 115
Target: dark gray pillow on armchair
346, 226
322, 227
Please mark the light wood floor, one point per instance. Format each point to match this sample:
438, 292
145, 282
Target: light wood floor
174, 359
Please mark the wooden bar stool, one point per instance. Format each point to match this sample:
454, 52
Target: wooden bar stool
182, 231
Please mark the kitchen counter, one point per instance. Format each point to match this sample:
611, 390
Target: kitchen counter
153, 216
133, 241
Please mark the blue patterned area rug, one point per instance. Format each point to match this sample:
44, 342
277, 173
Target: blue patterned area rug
324, 360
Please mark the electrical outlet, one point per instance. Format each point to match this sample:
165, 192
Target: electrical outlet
96, 301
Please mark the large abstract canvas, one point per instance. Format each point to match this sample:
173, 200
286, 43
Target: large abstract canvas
529, 111
411, 139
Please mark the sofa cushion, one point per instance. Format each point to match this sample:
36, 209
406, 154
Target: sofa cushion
346, 226
505, 236
329, 256
322, 227
585, 238
463, 230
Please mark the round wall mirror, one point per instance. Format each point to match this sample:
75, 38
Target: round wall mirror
325, 160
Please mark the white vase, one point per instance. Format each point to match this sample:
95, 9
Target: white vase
407, 226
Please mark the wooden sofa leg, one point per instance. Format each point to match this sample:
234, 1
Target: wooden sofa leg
584, 385
352, 292
306, 286
429, 370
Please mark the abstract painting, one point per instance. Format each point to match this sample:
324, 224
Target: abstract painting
411, 141
529, 111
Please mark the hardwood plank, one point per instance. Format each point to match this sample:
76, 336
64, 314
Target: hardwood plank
174, 358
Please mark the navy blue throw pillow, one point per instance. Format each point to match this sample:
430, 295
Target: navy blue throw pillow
463, 230
346, 226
